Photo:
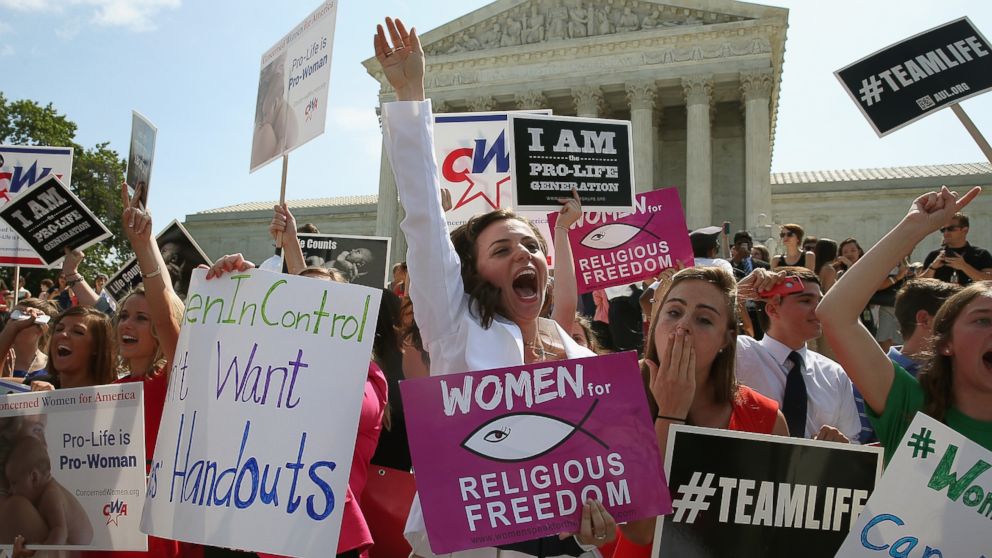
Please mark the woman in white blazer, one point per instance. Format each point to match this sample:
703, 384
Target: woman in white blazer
478, 292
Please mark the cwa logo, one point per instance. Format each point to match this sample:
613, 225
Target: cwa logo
114, 510
12, 180
483, 168
311, 109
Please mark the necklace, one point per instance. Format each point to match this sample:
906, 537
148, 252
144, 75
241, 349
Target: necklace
543, 347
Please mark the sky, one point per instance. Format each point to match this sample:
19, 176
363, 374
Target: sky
191, 67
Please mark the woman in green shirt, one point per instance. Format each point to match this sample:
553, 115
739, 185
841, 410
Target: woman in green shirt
956, 384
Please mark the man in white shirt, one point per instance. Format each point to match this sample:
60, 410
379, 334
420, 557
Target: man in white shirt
814, 393
705, 246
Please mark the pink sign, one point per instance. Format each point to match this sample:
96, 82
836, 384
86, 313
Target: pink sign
611, 249
510, 455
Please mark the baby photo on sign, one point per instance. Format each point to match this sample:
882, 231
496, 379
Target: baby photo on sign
362, 260
36, 505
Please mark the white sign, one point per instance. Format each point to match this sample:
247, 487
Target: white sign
472, 150
22, 167
260, 419
935, 499
75, 460
292, 87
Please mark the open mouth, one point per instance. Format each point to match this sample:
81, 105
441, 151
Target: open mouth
525, 284
63, 351
128, 339
987, 359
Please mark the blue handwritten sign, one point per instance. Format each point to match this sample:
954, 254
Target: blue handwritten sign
261, 414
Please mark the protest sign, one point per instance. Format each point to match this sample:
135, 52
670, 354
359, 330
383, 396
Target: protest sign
291, 105
22, 167
181, 255
755, 495
50, 218
7, 387
261, 415
363, 260
611, 249
77, 458
553, 154
912, 78
524, 447
935, 499
139, 162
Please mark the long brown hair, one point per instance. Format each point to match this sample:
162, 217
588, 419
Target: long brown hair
937, 377
484, 295
722, 373
98, 324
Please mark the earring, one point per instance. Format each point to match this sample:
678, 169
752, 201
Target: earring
946, 351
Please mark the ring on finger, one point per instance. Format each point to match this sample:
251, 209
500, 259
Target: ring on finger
601, 537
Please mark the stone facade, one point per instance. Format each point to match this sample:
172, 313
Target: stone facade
698, 80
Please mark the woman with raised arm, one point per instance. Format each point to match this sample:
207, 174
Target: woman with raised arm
956, 384
478, 293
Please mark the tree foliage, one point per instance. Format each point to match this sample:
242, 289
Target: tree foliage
96, 175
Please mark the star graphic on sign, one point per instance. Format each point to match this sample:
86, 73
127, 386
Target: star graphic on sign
113, 519
482, 181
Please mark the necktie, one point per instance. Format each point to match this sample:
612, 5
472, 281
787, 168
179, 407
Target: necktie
794, 403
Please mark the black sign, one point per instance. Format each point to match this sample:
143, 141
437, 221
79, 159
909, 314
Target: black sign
915, 77
50, 218
552, 154
363, 260
181, 255
752, 495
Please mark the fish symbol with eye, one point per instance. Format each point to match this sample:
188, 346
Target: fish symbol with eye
521, 436
614, 235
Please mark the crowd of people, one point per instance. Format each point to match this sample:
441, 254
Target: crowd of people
864, 342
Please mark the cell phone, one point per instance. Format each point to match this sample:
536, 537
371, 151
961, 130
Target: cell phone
789, 286
18, 315
726, 227
949, 252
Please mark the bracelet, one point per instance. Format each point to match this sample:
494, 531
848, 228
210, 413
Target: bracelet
561, 227
74, 282
673, 419
156, 273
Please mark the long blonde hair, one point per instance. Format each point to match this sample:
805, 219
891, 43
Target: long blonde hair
176, 308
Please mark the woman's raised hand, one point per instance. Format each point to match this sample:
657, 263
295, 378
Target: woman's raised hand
673, 383
935, 209
136, 219
403, 61
227, 264
571, 210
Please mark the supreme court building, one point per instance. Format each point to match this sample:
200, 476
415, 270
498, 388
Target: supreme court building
699, 81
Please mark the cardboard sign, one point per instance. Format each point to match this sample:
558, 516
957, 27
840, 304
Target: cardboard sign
754, 495
611, 249
139, 162
935, 499
22, 168
258, 431
512, 454
76, 460
181, 254
291, 106
50, 218
915, 77
553, 154
363, 260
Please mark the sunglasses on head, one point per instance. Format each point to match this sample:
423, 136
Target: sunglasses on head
951, 228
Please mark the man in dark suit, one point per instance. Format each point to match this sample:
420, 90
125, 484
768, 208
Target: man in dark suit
740, 256
744, 264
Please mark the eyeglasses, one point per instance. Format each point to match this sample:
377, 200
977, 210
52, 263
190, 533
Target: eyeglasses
784, 234
950, 228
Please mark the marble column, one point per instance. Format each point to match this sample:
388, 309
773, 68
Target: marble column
699, 159
756, 90
589, 102
530, 100
641, 96
387, 216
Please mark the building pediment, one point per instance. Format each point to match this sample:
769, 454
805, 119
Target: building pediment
514, 23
